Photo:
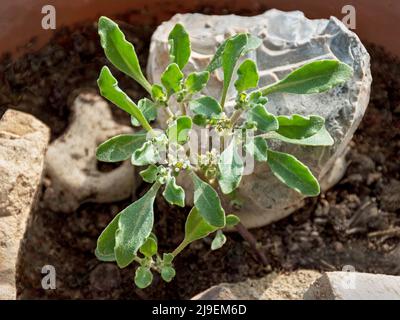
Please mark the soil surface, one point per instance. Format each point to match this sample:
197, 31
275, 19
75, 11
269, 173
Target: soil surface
356, 223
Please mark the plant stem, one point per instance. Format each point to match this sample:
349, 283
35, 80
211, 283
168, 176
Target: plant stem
248, 236
183, 108
235, 116
179, 248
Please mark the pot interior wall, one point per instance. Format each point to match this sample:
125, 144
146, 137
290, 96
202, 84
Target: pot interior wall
20, 20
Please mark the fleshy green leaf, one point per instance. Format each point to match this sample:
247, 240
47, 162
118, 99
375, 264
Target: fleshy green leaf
143, 277
158, 94
200, 120
321, 138
207, 202
196, 227
106, 241
219, 240
256, 98
178, 131
230, 168
172, 78
173, 193
149, 111
120, 148
247, 76
293, 173
299, 127
167, 273
196, 81
253, 43
232, 220
147, 154
109, 89
205, 106
149, 248
167, 258
258, 148
134, 227
233, 49
265, 121
120, 52
150, 173
179, 42
313, 77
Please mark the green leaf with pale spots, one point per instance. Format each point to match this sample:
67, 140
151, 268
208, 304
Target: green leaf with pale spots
173, 193
265, 121
196, 81
134, 227
120, 52
314, 77
247, 76
120, 148
293, 173
148, 109
172, 78
179, 44
206, 200
230, 167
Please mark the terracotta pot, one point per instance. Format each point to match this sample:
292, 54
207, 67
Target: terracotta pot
20, 20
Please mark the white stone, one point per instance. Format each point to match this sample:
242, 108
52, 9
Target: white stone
23, 143
71, 164
289, 41
354, 286
284, 286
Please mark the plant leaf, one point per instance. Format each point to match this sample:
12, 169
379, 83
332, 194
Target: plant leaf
219, 240
158, 94
109, 89
258, 148
173, 193
207, 202
265, 121
205, 106
167, 258
150, 173
179, 45
230, 167
196, 81
120, 148
314, 77
134, 227
247, 76
147, 154
148, 109
293, 173
232, 220
299, 127
200, 120
232, 51
172, 78
178, 131
149, 248
143, 277
196, 227
168, 273
321, 138
106, 241
253, 43
120, 52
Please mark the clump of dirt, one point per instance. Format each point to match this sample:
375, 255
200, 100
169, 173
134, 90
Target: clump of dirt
355, 223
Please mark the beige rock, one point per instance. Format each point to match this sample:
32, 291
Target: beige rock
354, 286
285, 286
23, 143
71, 163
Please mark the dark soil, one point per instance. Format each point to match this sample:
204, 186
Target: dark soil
352, 224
